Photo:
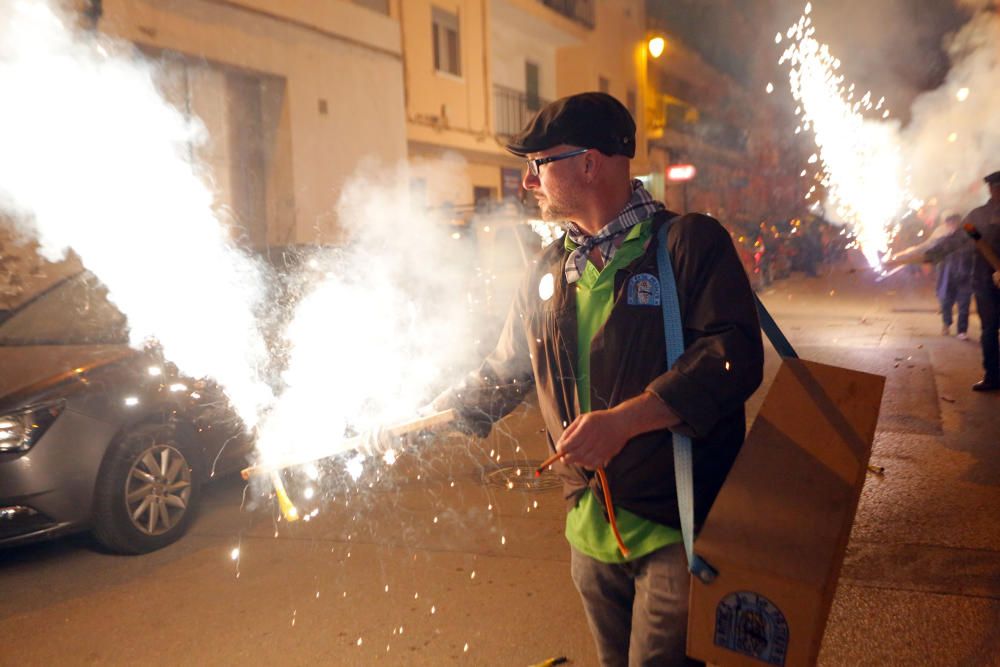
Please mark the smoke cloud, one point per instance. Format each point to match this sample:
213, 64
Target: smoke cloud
95, 161
383, 321
953, 139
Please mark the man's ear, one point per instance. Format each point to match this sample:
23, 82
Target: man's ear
591, 164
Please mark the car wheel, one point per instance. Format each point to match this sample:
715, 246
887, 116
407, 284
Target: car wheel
147, 491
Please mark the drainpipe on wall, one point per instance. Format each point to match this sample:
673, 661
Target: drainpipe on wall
402, 48
92, 14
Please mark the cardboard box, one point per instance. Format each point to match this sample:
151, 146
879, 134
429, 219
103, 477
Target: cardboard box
778, 530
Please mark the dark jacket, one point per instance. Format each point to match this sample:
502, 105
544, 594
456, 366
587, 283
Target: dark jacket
986, 219
955, 269
720, 368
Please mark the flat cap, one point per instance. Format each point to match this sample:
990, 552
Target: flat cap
588, 120
993, 178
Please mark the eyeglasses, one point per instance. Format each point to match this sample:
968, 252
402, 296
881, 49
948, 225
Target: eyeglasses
535, 165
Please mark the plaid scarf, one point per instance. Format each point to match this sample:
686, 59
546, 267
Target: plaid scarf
640, 207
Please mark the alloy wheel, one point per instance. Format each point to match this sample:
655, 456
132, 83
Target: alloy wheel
157, 489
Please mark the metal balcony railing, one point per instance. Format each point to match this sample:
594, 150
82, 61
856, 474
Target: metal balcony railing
513, 109
581, 11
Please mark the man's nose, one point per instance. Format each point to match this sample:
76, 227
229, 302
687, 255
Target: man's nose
530, 181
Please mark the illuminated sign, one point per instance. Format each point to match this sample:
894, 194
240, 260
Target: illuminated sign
681, 172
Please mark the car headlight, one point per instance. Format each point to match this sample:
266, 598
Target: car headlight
19, 431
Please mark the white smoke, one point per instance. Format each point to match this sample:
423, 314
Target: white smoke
93, 159
874, 169
953, 139
386, 322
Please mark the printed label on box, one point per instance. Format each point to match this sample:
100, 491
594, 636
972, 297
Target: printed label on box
749, 623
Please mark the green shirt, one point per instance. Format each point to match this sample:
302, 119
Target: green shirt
586, 528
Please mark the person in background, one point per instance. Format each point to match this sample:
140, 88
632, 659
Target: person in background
986, 282
954, 278
985, 277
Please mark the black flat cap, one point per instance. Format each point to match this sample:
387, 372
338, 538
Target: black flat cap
588, 120
993, 178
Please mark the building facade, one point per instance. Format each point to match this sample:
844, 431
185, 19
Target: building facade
285, 90
477, 70
700, 117
297, 94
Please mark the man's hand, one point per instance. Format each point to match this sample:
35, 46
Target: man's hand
892, 263
441, 402
996, 278
594, 438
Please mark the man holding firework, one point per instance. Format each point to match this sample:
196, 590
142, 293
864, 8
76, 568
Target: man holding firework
586, 332
983, 225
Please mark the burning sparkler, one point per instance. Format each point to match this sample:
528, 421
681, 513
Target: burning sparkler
93, 160
861, 161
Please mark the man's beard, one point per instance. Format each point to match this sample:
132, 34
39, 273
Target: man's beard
553, 212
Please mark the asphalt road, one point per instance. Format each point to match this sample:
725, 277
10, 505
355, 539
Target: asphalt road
439, 562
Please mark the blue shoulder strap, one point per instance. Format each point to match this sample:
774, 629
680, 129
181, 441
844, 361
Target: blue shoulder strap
674, 334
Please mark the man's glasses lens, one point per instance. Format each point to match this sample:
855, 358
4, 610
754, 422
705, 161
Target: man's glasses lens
534, 166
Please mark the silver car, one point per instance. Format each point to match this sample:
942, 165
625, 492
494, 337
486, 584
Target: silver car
97, 436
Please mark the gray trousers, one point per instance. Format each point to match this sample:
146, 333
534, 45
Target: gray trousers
637, 611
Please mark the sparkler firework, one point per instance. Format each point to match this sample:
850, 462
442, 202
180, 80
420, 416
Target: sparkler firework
860, 158
94, 161
873, 170
113, 179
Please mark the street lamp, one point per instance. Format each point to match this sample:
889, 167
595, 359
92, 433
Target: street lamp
656, 46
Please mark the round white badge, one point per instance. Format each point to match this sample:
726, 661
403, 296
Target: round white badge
546, 287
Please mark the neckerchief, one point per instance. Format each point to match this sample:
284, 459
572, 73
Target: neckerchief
640, 207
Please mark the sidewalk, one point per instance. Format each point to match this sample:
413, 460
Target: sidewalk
921, 579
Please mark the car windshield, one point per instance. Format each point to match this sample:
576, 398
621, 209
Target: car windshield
73, 312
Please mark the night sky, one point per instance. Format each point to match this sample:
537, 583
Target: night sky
893, 47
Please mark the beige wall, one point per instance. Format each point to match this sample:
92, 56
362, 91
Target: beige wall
323, 115
443, 108
512, 49
524, 30
448, 113
614, 49
448, 116
449, 177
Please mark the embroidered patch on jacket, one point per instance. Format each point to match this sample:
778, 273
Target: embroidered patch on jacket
643, 290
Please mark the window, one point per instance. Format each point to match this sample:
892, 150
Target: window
630, 101
483, 197
603, 84
446, 44
532, 99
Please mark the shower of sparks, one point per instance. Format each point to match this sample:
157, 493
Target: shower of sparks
355, 466
861, 159
371, 332
546, 230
